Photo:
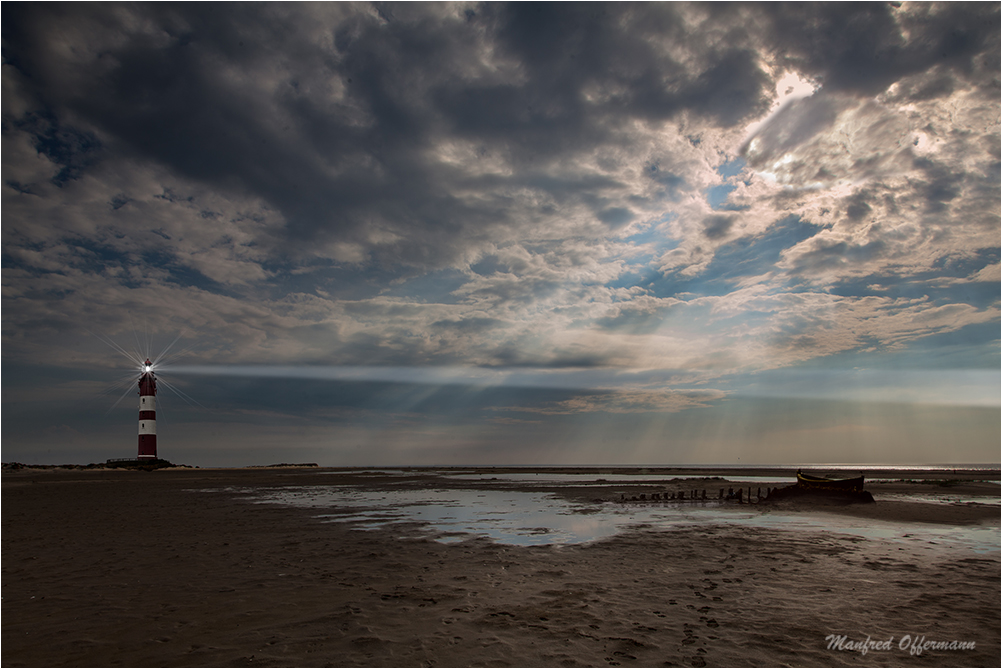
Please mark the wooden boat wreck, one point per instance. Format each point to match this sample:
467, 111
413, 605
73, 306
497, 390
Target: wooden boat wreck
820, 483
838, 490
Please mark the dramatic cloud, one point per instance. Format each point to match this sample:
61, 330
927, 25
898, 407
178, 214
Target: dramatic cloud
669, 197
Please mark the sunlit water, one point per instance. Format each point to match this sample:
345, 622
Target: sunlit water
593, 480
533, 518
929, 498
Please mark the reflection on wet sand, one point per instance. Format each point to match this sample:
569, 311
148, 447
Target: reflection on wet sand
532, 518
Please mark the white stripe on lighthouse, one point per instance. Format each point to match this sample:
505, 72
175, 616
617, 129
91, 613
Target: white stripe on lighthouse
148, 403
147, 427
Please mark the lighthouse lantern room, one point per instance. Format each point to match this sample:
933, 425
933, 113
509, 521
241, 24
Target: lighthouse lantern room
147, 413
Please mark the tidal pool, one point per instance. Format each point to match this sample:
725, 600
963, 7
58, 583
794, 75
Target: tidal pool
533, 518
943, 498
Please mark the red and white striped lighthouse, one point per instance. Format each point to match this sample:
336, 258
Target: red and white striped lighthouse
147, 413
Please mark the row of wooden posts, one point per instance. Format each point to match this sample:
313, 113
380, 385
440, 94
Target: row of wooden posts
695, 496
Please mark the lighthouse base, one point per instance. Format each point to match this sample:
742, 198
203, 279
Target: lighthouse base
148, 464
148, 446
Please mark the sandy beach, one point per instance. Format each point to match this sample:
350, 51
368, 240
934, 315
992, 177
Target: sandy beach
180, 568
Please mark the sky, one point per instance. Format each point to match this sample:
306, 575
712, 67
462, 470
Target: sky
503, 234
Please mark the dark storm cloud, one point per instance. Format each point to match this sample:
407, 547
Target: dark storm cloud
568, 47
716, 227
943, 185
730, 90
179, 99
72, 149
861, 47
336, 133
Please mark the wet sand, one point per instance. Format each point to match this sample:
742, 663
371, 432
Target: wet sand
118, 568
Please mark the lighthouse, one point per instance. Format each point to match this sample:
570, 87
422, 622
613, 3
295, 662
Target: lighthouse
147, 413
